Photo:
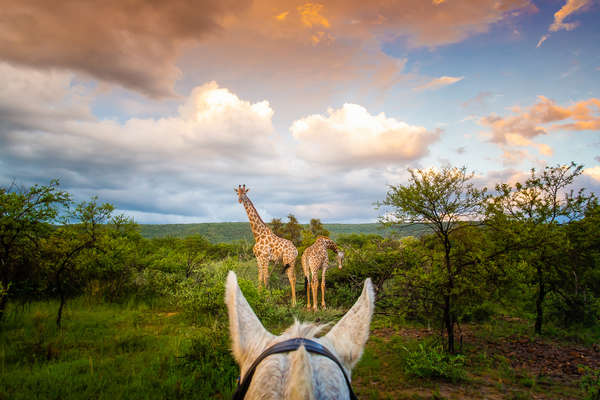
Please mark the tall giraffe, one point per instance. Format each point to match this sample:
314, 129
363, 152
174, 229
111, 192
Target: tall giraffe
268, 246
315, 258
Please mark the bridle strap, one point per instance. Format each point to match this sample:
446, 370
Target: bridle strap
284, 347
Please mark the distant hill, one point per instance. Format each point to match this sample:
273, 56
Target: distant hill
225, 232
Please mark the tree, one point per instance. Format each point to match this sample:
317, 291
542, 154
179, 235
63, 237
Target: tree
317, 229
531, 214
195, 249
68, 242
444, 200
26, 216
277, 226
293, 230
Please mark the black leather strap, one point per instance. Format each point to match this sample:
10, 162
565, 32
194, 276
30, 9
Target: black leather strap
284, 347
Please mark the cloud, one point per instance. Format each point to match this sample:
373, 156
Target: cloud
140, 47
179, 167
479, 100
593, 172
569, 8
542, 40
351, 136
440, 82
164, 165
132, 44
310, 15
519, 130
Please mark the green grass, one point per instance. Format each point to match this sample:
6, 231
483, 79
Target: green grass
112, 352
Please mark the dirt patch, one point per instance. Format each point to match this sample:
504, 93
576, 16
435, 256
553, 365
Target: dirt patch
540, 357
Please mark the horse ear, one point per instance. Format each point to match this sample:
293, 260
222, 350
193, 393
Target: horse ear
350, 334
248, 336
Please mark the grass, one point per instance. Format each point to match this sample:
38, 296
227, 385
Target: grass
111, 352
137, 351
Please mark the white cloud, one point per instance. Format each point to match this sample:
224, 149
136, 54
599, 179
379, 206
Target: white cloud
351, 136
440, 82
593, 172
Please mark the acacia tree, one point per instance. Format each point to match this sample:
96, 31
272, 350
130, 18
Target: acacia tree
26, 216
68, 242
531, 215
444, 200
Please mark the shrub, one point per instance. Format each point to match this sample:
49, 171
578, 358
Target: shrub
590, 383
431, 361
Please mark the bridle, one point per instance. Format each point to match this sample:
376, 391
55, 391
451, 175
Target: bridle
284, 347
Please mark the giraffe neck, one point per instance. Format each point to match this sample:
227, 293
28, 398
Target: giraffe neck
329, 244
256, 223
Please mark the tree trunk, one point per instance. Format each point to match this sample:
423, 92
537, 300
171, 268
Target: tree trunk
539, 318
448, 314
449, 323
3, 303
62, 299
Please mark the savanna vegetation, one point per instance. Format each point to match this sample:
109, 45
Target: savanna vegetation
500, 299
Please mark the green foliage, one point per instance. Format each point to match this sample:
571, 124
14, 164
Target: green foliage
590, 383
529, 220
431, 361
442, 199
25, 218
317, 228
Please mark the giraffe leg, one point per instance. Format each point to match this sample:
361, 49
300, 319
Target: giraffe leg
263, 268
307, 284
323, 289
315, 287
266, 274
291, 273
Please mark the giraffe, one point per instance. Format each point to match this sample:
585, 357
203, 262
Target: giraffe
268, 246
314, 258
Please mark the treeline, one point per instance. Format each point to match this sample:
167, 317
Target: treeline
228, 232
531, 249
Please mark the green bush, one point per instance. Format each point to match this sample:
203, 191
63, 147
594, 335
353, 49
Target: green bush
431, 361
590, 383
209, 362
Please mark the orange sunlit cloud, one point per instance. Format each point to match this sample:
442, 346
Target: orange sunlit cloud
519, 130
569, 8
310, 14
282, 16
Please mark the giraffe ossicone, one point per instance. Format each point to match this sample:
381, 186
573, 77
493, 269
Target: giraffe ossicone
268, 246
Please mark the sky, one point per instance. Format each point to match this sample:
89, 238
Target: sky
162, 108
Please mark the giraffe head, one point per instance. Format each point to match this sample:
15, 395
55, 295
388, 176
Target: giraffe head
241, 192
340, 258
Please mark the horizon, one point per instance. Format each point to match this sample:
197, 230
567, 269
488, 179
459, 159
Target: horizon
316, 106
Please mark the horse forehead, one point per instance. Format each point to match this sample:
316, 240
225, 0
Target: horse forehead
272, 378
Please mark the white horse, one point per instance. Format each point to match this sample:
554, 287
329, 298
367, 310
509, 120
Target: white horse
309, 368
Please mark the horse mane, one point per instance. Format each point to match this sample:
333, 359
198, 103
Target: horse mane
307, 330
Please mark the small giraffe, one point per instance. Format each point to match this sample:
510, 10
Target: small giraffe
268, 246
314, 258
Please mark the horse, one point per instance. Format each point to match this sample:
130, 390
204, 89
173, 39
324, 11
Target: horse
297, 365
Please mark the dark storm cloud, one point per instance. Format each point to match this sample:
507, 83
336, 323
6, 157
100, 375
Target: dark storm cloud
133, 43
